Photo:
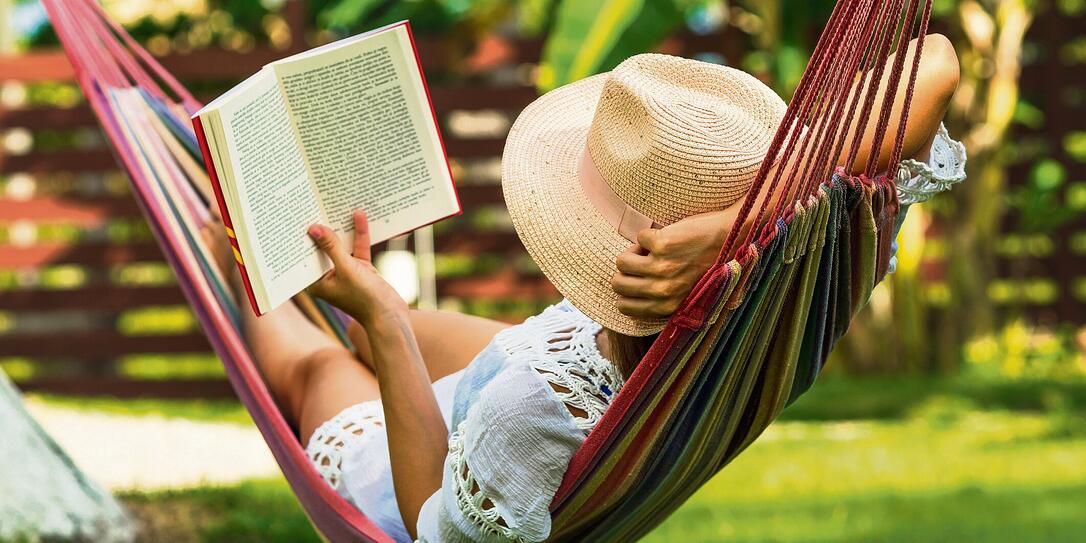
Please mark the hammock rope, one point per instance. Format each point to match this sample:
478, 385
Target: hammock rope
750, 338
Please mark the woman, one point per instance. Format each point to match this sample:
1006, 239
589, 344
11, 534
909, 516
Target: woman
584, 169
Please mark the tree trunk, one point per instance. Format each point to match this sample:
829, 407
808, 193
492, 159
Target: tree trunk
43, 495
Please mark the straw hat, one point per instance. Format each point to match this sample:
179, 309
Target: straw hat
588, 165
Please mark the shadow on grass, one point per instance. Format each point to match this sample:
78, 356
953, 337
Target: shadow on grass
253, 511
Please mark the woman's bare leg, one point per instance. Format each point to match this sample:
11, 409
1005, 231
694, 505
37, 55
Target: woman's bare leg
448, 342
311, 376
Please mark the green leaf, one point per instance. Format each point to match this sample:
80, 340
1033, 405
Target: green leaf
534, 16
347, 14
1048, 175
1029, 115
1074, 143
592, 36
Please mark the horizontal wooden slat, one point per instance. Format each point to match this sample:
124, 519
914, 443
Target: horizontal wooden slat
445, 98
48, 118
452, 97
465, 241
98, 298
217, 64
499, 287
94, 254
87, 210
98, 344
96, 161
130, 388
73, 209
478, 195
36, 66
40, 163
99, 254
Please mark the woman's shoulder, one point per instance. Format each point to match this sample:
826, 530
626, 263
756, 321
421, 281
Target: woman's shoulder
555, 354
561, 320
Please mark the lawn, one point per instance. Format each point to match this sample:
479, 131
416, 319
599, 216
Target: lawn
874, 460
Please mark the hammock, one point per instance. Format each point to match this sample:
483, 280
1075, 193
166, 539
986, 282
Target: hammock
749, 339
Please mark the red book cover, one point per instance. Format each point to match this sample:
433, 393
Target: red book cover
210, 167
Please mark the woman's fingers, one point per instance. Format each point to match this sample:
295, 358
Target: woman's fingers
361, 236
648, 238
328, 242
645, 308
638, 287
632, 262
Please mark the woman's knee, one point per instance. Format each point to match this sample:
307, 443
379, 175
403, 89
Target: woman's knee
329, 381
310, 371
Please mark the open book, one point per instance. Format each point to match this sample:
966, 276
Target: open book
312, 137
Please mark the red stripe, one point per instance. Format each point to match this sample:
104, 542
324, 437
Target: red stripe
210, 167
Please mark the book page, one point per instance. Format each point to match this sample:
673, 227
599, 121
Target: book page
365, 124
273, 190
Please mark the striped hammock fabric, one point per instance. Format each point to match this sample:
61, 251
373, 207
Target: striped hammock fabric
751, 337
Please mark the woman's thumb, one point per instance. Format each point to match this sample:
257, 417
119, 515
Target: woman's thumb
329, 244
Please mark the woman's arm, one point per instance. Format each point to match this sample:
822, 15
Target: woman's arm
417, 440
655, 275
936, 81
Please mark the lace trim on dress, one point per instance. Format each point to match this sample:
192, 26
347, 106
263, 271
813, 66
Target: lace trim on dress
355, 424
918, 181
560, 344
476, 505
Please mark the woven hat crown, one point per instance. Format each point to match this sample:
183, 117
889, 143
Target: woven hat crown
674, 137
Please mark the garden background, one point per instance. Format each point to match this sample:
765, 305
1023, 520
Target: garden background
953, 409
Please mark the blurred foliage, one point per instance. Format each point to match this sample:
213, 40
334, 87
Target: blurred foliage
592, 36
186, 25
1039, 201
159, 367
1020, 351
347, 17
204, 410
783, 38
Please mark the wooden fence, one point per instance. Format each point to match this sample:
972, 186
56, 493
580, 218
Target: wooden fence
84, 285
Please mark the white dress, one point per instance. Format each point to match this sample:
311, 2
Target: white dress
513, 432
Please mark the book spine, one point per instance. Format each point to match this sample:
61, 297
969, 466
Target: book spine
210, 167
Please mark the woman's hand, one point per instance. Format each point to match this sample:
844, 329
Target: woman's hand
656, 275
354, 284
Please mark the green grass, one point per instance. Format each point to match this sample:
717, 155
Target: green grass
877, 460
202, 410
982, 476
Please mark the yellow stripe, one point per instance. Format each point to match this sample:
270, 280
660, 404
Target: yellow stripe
237, 255
613, 11
230, 232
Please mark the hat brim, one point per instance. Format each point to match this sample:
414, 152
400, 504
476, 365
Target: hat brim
570, 241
